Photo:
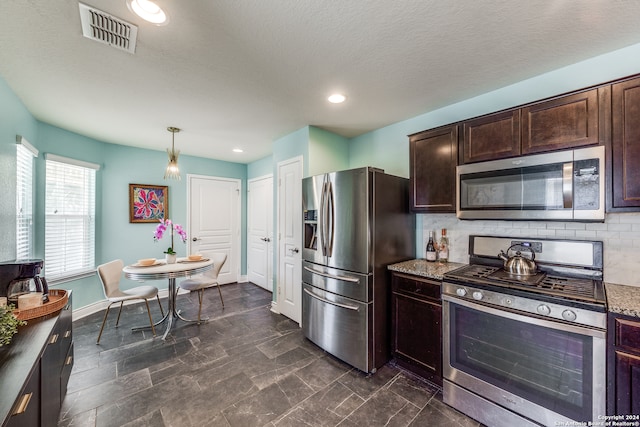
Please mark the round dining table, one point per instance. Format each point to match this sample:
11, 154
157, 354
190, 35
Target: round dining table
160, 271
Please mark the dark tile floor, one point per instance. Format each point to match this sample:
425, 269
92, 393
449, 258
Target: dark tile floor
246, 367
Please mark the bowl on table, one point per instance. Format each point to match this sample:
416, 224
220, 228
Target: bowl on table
145, 262
194, 257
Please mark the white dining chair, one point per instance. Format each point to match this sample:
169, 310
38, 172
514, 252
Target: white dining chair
209, 278
110, 274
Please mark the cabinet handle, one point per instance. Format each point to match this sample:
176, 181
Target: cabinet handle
67, 334
24, 402
54, 339
69, 360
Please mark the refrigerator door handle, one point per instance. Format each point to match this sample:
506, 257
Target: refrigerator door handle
331, 276
322, 222
330, 219
348, 307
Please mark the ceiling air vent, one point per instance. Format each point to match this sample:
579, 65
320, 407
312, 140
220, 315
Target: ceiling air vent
105, 28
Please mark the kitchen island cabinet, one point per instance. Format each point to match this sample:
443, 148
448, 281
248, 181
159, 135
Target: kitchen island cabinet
35, 371
417, 316
433, 158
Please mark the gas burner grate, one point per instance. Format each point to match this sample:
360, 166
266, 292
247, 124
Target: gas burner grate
474, 272
569, 286
563, 287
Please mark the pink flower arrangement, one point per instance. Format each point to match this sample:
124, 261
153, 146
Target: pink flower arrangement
162, 228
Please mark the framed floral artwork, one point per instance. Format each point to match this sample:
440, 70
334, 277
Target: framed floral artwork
148, 203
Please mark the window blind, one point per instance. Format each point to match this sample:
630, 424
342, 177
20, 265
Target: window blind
24, 199
69, 218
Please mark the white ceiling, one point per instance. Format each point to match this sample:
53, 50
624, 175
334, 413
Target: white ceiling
243, 73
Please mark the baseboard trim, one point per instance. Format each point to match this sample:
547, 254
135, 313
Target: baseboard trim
274, 307
98, 306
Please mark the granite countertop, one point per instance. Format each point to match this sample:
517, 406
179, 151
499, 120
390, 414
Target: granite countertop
424, 268
623, 299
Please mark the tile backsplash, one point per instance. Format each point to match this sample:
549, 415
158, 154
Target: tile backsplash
620, 234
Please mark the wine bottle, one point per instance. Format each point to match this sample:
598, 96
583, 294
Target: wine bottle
431, 248
443, 247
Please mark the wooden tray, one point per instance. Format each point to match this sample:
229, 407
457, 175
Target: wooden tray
57, 300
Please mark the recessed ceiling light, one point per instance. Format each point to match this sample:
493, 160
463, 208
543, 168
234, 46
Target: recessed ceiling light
149, 11
238, 150
337, 98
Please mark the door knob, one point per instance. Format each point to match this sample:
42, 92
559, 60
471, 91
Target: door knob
195, 239
265, 239
295, 250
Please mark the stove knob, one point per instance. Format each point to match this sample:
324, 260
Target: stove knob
461, 292
569, 315
544, 309
477, 295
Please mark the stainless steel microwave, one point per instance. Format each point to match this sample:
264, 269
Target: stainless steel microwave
564, 186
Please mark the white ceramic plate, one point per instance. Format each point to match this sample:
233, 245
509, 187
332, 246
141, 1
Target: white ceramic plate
198, 260
158, 262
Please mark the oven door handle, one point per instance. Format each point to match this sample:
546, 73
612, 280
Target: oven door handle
534, 320
348, 307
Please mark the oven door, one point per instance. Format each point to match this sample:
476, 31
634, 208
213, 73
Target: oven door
546, 371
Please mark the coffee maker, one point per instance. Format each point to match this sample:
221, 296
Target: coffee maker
19, 277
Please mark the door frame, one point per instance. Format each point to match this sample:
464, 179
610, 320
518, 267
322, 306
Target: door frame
237, 240
277, 295
270, 245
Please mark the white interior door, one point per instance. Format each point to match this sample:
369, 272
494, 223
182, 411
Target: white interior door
289, 278
214, 220
260, 232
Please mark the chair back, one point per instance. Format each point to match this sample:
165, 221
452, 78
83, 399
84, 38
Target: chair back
218, 261
109, 275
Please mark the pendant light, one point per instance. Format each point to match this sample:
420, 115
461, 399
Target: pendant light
173, 172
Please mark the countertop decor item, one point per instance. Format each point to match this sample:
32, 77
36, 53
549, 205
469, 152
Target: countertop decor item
160, 231
8, 324
58, 298
148, 203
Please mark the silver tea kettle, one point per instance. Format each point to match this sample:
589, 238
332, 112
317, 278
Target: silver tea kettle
518, 264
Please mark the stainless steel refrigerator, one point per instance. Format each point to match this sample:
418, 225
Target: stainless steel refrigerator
356, 223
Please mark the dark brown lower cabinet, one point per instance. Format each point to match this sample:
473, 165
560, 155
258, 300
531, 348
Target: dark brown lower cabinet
27, 408
35, 371
417, 325
623, 365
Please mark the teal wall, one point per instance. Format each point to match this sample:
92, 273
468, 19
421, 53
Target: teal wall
14, 120
119, 166
293, 145
260, 168
328, 152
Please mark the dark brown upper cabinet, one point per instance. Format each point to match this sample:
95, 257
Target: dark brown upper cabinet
625, 146
568, 121
433, 158
495, 136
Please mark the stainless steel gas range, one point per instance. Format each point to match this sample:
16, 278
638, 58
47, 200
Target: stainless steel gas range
526, 350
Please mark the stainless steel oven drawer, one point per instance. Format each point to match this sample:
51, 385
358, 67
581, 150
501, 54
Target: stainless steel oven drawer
338, 325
